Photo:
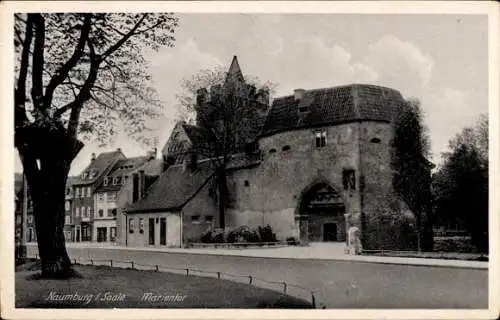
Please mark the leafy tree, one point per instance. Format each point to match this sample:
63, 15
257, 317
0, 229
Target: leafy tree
77, 75
412, 178
460, 186
227, 118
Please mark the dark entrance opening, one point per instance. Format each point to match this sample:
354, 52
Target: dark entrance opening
151, 231
163, 231
330, 232
321, 215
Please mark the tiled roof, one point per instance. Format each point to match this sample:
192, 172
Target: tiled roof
332, 105
175, 187
195, 135
99, 166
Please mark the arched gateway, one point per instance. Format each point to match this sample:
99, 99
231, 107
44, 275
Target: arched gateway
321, 215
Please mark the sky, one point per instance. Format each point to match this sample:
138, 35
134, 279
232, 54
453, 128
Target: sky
439, 59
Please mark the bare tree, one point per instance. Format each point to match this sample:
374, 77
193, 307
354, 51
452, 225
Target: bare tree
77, 75
228, 118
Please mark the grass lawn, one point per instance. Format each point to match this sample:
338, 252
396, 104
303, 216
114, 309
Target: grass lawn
106, 287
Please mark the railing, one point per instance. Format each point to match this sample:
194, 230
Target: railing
282, 286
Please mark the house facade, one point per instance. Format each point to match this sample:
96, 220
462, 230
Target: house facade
320, 168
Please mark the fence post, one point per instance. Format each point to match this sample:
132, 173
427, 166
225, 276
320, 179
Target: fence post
284, 287
111, 263
74, 261
156, 268
250, 277
36, 256
218, 275
187, 272
132, 264
91, 262
313, 300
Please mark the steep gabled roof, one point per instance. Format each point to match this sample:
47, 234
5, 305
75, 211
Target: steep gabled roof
234, 72
173, 189
122, 168
330, 106
99, 166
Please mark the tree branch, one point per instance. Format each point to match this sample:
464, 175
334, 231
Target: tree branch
38, 61
63, 71
127, 36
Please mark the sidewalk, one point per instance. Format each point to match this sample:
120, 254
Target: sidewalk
315, 251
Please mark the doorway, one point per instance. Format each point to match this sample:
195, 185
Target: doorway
329, 232
151, 231
163, 231
102, 234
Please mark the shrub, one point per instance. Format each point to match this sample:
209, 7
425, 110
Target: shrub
266, 234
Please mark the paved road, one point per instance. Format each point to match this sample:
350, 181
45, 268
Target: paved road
338, 284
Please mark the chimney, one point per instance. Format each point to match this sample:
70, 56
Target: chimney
119, 149
92, 157
299, 93
142, 184
152, 154
135, 187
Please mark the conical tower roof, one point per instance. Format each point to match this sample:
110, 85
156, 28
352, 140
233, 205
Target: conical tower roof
234, 72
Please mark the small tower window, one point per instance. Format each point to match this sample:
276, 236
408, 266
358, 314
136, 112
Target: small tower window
272, 150
246, 183
349, 179
286, 148
320, 138
375, 140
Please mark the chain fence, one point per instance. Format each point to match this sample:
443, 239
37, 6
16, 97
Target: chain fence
281, 286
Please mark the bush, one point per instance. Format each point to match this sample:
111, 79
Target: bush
212, 236
266, 234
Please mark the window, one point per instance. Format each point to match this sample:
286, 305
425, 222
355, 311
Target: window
84, 175
272, 150
67, 220
112, 234
77, 212
66, 206
246, 183
125, 180
105, 182
209, 219
88, 192
100, 196
349, 179
320, 138
77, 192
101, 213
89, 212
141, 225
82, 192
83, 212
285, 148
112, 212
116, 181
131, 225
68, 191
195, 219
375, 140
30, 218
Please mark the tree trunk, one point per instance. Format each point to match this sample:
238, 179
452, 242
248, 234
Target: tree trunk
46, 162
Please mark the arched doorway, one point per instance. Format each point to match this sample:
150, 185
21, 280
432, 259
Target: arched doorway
321, 215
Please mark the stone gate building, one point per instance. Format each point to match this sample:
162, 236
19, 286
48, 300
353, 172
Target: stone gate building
316, 165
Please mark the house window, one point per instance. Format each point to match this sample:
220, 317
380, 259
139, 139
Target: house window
101, 213
67, 220
100, 196
125, 180
209, 219
84, 175
30, 218
105, 182
83, 212
195, 219
141, 225
77, 212
112, 212
68, 191
246, 183
131, 225
349, 179
320, 138
77, 192
88, 212
117, 181
66, 206
88, 192
112, 234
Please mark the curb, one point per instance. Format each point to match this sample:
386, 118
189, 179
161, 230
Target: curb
358, 260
